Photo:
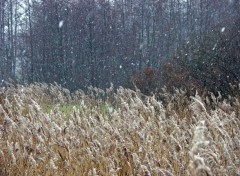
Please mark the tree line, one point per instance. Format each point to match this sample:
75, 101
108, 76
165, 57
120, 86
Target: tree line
82, 43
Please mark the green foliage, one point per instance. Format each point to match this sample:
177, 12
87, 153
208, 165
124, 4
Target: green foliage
68, 109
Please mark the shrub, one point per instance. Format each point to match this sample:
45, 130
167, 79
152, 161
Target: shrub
147, 80
211, 65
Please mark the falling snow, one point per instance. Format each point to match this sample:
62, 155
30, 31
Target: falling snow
223, 29
60, 24
214, 47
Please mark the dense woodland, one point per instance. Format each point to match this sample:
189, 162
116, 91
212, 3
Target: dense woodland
151, 43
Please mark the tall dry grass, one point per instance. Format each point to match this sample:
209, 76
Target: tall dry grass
122, 133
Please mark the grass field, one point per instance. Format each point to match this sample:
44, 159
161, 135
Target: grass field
46, 130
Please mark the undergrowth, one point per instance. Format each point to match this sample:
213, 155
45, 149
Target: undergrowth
46, 130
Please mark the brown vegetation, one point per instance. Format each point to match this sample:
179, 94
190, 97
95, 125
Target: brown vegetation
147, 81
127, 133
